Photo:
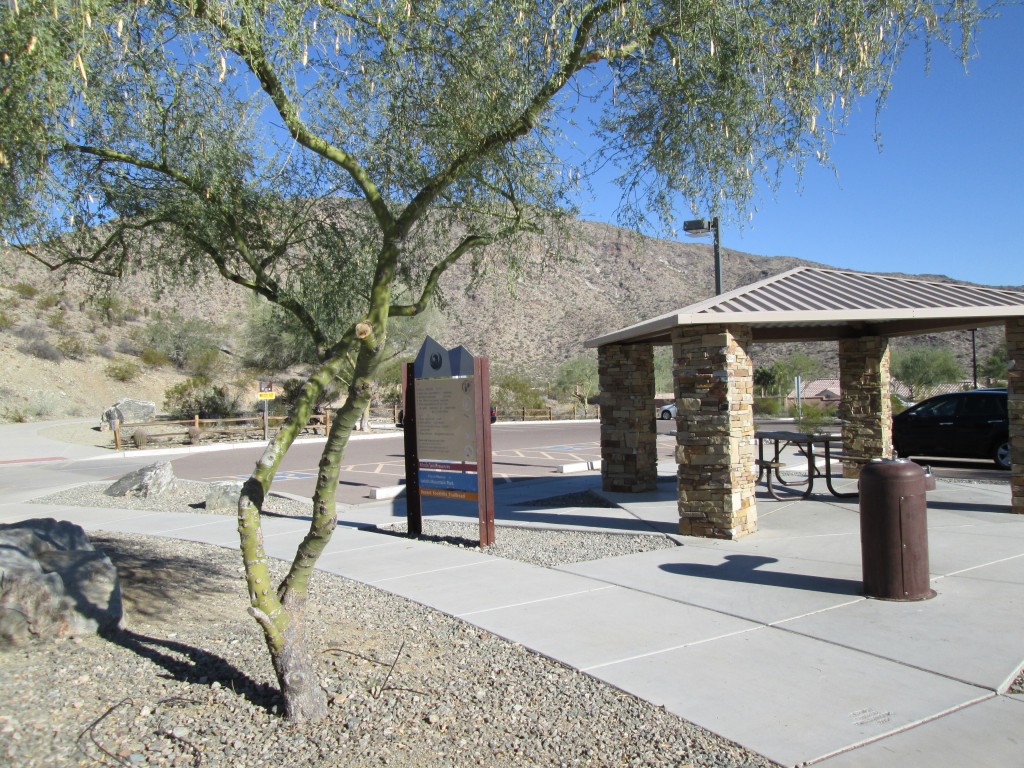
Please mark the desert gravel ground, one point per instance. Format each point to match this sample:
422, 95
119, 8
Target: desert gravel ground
188, 681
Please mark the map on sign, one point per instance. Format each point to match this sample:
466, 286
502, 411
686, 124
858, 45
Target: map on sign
446, 419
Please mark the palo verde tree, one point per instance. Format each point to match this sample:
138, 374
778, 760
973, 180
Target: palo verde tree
325, 155
922, 368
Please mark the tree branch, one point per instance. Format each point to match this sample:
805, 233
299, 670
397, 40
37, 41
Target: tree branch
525, 121
245, 43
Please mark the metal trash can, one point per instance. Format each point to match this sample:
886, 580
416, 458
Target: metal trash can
894, 530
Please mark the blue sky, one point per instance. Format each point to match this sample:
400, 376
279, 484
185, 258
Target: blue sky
944, 195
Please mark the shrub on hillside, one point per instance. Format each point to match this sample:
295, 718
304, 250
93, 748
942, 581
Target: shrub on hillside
123, 370
48, 301
515, 391
31, 332
6, 322
25, 290
57, 320
39, 405
198, 395
181, 340
72, 347
154, 357
129, 347
42, 349
206, 362
110, 308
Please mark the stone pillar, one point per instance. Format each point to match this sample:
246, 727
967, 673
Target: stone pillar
865, 407
714, 386
629, 448
1015, 387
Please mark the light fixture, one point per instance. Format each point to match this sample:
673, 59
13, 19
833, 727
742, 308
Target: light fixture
701, 227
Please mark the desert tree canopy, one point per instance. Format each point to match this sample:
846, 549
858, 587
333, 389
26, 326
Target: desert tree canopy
111, 108
338, 157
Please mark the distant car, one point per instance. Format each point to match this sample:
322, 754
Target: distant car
667, 412
965, 425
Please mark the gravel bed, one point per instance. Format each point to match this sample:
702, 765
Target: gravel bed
187, 496
189, 683
537, 546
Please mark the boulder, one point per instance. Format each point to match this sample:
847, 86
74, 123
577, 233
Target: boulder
128, 411
223, 496
152, 480
54, 583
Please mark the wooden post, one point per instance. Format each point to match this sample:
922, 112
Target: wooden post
413, 503
117, 434
484, 459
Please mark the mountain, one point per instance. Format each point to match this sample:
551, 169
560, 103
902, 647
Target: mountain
609, 278
615, 278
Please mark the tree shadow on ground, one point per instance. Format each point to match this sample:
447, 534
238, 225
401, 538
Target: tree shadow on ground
188, 664
164, 588
152, 580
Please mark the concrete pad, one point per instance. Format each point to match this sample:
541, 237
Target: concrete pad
995, 518
813, 548
971, 631
211, 530
84, 516
351, 539
985, 735
130, 521
754, 587
816, 516
398, 558
1009, 571
953, 550
606, 625
791, 698
604, 520
495, 585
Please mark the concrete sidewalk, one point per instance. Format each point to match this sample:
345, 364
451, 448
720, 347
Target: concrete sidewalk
766, 641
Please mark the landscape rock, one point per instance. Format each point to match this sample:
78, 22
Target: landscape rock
54, 583
223, 496
152, 480
128, 411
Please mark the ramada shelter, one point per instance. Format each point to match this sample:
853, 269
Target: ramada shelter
714, 385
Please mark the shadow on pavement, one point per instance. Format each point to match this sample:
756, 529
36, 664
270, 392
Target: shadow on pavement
745, 569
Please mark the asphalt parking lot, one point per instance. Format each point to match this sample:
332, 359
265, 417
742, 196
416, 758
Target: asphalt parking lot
521, 451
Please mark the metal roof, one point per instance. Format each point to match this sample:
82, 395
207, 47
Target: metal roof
814, 304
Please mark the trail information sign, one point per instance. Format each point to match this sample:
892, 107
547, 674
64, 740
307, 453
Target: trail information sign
448, 433
446, 426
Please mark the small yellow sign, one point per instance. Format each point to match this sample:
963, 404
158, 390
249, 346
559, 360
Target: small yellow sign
266, 395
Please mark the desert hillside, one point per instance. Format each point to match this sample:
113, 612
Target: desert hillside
68, 341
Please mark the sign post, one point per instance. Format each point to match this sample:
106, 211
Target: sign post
265, 395
448, 434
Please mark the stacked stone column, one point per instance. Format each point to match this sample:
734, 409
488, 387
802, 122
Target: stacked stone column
629, 449
714, 387
865, 406
1015, 387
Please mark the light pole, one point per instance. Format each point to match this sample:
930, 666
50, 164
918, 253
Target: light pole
701, 227
974, 356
